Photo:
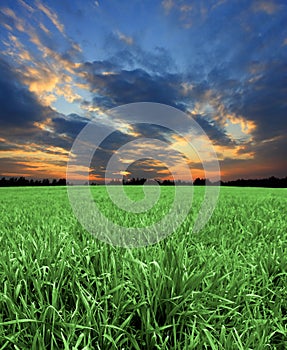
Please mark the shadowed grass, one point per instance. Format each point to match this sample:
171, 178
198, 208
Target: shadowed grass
221, 288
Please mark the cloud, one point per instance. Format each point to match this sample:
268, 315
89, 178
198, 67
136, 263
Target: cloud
71, 125
159, 60
47, 79
167, 5
47, 71
264, 101
45, 29
153, 131
213, 131
148, 88
31, 156
148, 169
234, 88
186, 13
112, 86
134, 159
126, 39
12, 167
263, 165
43, 135
268, 7
11, 20
127, 86
26, 6
52, 76
33, 165
19, 107
53, 17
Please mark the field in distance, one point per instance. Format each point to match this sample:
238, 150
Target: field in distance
221, 288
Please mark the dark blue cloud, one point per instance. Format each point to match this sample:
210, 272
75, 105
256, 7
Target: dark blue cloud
71, 125
135, 86
19, 107
20, 110
264, 100
148, 169
118, 139
213, 131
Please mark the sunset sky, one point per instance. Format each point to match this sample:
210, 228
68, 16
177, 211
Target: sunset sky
64, 63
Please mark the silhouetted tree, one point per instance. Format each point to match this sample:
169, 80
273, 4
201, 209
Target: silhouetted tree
167, 183
62, 182
46, 182
199, 182
134, 181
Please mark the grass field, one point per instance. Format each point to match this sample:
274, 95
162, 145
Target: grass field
222, 288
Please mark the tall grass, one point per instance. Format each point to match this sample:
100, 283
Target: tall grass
221, 288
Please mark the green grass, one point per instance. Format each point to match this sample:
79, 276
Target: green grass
221, 288
135, 193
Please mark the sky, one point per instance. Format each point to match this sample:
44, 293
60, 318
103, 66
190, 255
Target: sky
66, 63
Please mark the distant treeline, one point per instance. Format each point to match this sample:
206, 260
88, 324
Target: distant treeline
22, 181
268, 182
272, 181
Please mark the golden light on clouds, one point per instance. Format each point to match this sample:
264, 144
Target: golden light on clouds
37, 161
231, 152
185, 146
40, 80
127, 160
51, 15
55, 76
124, 173
34, 153
109, 73
45, 125
247, 126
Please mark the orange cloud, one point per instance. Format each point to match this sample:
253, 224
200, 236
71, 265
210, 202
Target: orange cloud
37, 161
54, 75
233, 152
46, 80
247, 127
211, 104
